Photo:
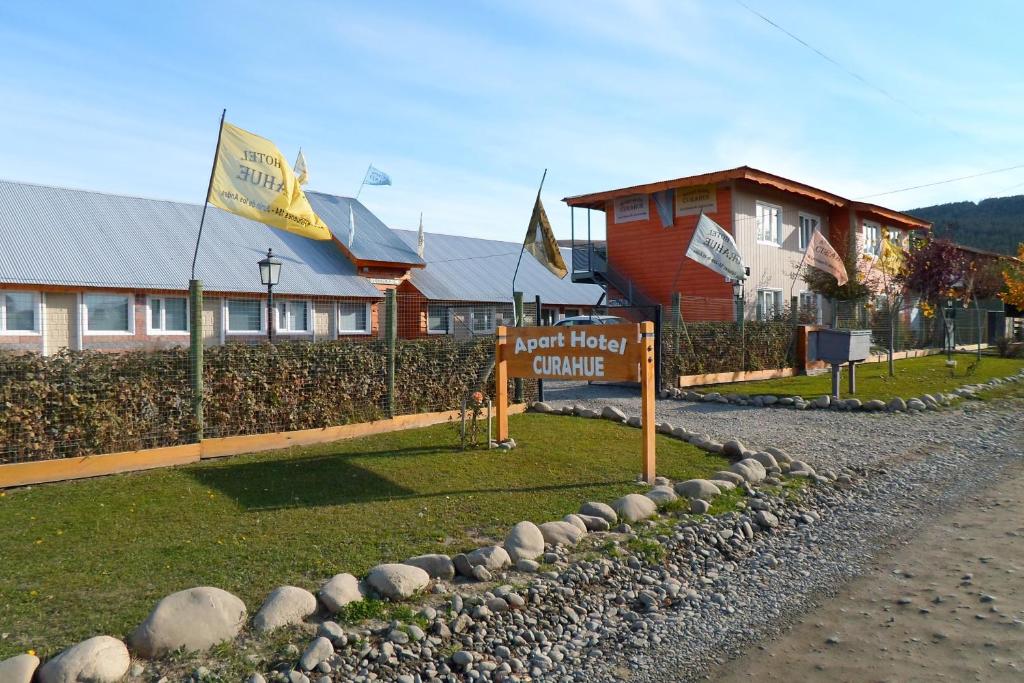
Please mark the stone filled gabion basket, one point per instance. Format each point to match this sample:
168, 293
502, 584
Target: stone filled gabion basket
474, 636
826, 402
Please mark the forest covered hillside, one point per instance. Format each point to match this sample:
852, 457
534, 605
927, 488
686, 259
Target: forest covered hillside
992, 224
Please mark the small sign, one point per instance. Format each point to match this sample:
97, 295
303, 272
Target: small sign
690, 201
385, 281
578, 352
633, 208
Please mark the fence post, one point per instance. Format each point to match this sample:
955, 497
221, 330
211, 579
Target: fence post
740, 315
677, 308
195, 353
539, 321
657, 348
517, 313
391, 334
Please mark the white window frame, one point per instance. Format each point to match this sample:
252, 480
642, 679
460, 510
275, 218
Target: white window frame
37, 320
448, 319
369, 319
801, 217
84, 316
227, 317
161, 331
472, 319
877, 228
777, 242
759, 306
280, 328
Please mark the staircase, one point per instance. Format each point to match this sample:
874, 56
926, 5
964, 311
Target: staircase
590, 265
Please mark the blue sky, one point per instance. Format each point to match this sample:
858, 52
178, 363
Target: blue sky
465, 103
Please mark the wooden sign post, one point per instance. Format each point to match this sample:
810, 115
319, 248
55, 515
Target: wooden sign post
623, 353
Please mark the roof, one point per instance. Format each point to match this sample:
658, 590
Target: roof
59, 236
896, 216
596, 200
473, 269
374, 242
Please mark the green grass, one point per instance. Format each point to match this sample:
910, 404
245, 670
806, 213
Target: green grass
914, 377
93, 556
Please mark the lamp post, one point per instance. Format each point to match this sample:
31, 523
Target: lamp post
950, 320
270, 275
738, 296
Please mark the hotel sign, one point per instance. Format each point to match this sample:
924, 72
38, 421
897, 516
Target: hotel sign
632, 208
581, 352
690, 201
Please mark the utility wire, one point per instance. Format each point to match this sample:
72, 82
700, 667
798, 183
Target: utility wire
943, 182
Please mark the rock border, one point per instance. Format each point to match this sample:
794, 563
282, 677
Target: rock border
896, 405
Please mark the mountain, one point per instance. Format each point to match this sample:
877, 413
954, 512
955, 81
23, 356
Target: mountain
992, 224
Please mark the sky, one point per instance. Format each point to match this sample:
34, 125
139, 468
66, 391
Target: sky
465, 104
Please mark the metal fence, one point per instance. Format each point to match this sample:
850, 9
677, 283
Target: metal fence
123, 378
910, 328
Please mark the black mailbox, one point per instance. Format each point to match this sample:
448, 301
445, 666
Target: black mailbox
841, 346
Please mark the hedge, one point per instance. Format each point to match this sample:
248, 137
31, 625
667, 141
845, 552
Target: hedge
87, 402
709, 347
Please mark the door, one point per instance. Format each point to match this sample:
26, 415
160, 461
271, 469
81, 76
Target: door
60, 326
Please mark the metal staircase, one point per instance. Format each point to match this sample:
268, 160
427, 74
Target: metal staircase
590, 265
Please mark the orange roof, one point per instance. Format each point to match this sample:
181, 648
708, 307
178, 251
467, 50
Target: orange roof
895, 216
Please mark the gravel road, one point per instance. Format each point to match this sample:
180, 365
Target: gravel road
920, 466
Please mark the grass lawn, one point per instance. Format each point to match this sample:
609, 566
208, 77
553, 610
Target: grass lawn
914, 377
92, 557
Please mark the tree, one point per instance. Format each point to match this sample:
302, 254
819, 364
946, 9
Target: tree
934, 269
886, 277
1013, 279
820, 282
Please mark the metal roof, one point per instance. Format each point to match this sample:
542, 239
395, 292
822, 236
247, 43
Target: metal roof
58, 236
471, 269
373, 240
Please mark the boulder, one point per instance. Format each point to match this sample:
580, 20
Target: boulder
634, 421
192, 619
798, 468
284, 606
462, 565
897, 405
780, 455
699, 489
98, 660
633, 507
766, 459
723, 485
612, 413
492, 557
19, 669
750, 469
561, 533
340, 590
916, 404
436, 565
822, 402
769, 400
588, 413
874, 404
733, 448
528, 566
320, 650
524, 542
397, 581
541, 407
595, 523
766, 519
699, 507
576, 522
662, 495
602, 510
664, 428
852, 404
722, 475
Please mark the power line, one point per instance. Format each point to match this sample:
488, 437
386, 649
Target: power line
943, 182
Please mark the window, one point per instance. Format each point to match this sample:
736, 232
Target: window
245, 316
808, 226
872, 238
769, 223
809, 304
437, 319
19, 312
769, 303
109, 313
292, 317
483, 319
168, 315
353, 317
571, 312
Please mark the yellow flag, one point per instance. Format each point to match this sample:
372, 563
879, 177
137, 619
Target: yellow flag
540, 241
252, 179
892, 258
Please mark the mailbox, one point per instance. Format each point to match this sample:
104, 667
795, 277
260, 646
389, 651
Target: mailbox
842, 346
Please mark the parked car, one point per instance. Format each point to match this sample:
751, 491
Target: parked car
590, 320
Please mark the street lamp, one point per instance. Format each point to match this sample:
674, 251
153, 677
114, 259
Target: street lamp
950, 321
270, 275
738, 296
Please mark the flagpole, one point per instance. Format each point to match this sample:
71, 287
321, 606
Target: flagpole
209, 186
365, 176
523, 248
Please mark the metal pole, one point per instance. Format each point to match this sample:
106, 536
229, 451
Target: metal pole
391, 332
657, 348
270, 313
195, 290
532, 214
517, 307
365, 176
540, 382
209, 186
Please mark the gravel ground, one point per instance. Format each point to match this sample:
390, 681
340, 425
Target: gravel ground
919, 465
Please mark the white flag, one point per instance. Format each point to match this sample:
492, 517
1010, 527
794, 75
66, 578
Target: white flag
351, 226
822, 256
301, 172
715, 248
420, 243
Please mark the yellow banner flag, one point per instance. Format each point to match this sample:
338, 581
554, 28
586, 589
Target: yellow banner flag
252, 179
892, 258
540, 241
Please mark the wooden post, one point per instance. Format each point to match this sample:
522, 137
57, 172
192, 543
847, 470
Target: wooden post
391, 336
195, 291
501, 383
647, 341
